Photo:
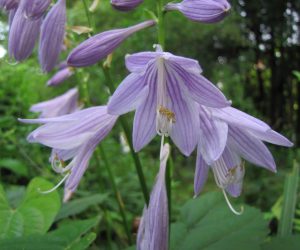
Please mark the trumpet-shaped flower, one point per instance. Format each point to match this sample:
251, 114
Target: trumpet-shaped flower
205, 11
52, 36
36, 8
99, 46
226, 136
23, 34
60, 76
61, 105
165, 91
125, 5
73, 138
153, 231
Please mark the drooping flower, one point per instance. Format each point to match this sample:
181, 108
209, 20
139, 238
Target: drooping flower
36, 8
205, 11
153, 231
61, 105
73, 138
52, 36
226, 136
165, 91
60, 76
101, 45
23, 34
125, 5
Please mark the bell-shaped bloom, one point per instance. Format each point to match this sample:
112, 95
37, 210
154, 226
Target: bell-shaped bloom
226, 136
165, 91
101, 45
52, 36
23, 34
153, 231
9, 4
73, 138
60, 76
61, 105
125, 5
205, 11
36, 8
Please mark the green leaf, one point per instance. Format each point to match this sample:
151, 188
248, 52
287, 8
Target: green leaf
289, 202
207, 223
280, 243
35, 215
15, 166
84, 242
79, 205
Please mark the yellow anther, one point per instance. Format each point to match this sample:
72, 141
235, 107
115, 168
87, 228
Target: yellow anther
167, 113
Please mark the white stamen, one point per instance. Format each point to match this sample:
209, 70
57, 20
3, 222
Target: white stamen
230, 206
57, 186
58, 165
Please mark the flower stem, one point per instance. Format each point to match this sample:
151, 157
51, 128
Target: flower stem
87, 13
116, 193
161, 30
124, 124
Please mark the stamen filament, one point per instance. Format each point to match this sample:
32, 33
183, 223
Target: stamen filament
57, 186
230, 206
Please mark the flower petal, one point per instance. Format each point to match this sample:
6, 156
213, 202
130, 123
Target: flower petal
201, 173
138, 62
130, 93
272, 136
251, 148
213, 136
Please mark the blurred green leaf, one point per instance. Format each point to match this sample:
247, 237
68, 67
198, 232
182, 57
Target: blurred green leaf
79, 205
207, 223
35, 214
15, 166
297, 74
280, 243
289, 202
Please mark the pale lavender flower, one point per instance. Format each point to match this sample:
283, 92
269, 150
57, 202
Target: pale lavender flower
125, 5
60, 76
36, 8
9, 4
11, 16
165, 91
153, 231
101, 45
73, 138
226, 136
52, 36
61, 105
23, 34
206, 11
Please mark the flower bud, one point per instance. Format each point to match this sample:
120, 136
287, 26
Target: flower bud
36, 8
60, 76
205, 11
99, 46
125, 5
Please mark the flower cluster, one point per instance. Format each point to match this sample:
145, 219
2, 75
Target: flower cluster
170, 97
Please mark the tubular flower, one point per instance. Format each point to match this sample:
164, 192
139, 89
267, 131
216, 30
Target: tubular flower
73, 138
125, 5
99, 46
36, 8
52, 36
205, 11
23, 34
164, 89
61, 105
61, 76
226, 136
153, 231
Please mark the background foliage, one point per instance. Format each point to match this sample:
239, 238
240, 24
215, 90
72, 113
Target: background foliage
253, 56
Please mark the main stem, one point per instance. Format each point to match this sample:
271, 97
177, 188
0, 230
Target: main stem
135, 156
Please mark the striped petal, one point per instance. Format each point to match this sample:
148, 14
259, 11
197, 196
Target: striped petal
201, 173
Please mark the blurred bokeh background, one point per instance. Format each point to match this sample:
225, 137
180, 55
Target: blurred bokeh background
253, 56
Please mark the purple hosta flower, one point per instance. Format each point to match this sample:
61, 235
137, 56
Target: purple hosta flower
9, 4
205, 11
73, 138
52, 36
99, 46
23, 34
61, 105
61, 76
125, 5
226, 136
36, 8
165, 91
153, 231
